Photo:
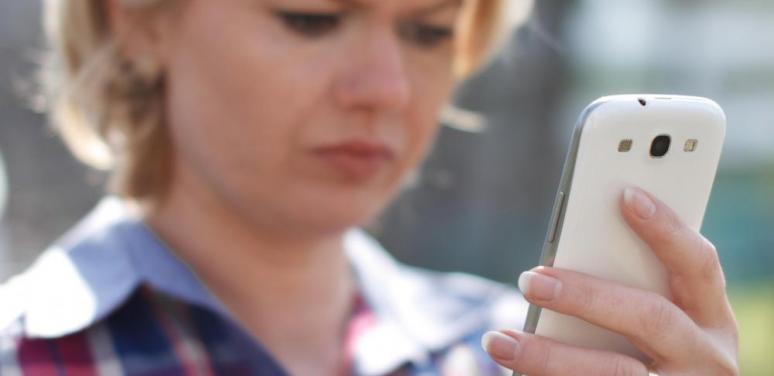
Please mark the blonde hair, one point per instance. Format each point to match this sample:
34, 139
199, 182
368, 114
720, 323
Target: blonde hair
110, 112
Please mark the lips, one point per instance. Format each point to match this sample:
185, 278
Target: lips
356, 159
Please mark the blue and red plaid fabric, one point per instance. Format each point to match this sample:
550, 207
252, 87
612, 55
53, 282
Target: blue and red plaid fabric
152, 334
112, 299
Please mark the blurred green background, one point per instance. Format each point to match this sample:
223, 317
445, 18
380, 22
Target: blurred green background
482, 201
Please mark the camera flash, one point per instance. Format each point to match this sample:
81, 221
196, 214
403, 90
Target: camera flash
625, 146
690, 145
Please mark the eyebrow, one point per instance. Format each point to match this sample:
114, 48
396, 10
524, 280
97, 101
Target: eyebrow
443, 5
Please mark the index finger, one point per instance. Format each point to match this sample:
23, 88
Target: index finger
696, 277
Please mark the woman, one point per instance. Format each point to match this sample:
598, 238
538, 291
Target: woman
246, 139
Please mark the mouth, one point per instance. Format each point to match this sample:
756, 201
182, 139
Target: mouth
356, 159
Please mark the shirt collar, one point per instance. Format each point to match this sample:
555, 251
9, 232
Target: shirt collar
96, 267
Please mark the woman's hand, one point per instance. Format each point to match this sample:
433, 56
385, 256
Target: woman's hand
695, 333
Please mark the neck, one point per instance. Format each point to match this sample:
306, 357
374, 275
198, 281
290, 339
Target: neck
293, 294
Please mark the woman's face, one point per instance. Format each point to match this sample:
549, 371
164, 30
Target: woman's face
306, 114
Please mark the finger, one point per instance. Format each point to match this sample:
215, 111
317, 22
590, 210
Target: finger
696, 277
651, 322
536, 356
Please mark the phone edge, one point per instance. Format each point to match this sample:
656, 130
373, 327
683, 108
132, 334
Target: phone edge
562, 196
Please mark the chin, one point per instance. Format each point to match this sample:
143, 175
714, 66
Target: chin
314, 207
337, 212
344, 216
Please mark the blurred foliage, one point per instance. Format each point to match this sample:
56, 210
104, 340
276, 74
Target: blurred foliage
754, 308
739, 220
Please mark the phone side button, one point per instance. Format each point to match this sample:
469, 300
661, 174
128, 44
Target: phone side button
556, 216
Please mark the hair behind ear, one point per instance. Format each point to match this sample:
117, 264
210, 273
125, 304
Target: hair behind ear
484, 27
107, 108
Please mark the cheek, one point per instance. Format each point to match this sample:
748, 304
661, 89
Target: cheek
431, 93
229, 106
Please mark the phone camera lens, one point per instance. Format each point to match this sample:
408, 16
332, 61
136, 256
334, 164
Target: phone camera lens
660, 146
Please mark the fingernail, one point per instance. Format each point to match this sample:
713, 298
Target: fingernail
539, 286
500, 346
643, 206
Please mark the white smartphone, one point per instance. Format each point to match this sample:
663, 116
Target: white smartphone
667, 145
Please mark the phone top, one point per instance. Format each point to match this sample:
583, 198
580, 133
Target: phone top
655, 102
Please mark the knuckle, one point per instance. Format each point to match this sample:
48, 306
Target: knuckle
670, 232
708, 246
656, 319
725, 367
728, 369
536, 356
734, 330
672, 226
544, 361
623, 367
710, 267
731, 371
724, 363
587, 297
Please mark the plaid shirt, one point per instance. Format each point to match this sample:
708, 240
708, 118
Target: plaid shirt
111, 299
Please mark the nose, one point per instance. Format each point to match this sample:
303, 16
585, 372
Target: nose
375, 76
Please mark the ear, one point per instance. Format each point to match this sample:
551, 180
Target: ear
140, 27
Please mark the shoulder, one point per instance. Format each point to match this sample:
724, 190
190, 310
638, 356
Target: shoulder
436, 308
452, 297
12, 304
431, 319
472, 306
21, 353
77, 280
454, 294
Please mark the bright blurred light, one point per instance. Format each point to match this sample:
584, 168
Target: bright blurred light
3, 187
3, 197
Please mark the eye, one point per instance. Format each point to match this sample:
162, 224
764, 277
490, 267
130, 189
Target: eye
425, 36
310, 24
